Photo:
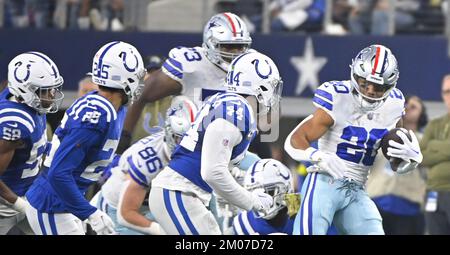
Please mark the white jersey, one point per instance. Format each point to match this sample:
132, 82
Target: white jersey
142, 161
198, 76
356, 134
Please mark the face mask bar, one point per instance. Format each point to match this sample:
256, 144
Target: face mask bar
49, 99
360, 81
223, 50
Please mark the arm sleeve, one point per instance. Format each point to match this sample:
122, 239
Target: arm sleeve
69, 156
173, 66
223, 136
298, 154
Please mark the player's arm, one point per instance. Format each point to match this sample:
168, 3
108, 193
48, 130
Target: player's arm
7, 149
223, 136
130, 200
297, 144
71, 153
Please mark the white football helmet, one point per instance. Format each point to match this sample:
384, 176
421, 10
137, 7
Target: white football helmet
119, 65
276, 180
255, 74
179, 118
225, 37
376, 65
34, 79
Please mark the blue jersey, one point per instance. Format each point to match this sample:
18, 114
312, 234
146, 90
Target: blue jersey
246, 223
186, 159
18, 121
83, 145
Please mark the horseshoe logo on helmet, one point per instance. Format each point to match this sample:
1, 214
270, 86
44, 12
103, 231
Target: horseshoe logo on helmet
264, 76
123, 55
286, 177
18, 64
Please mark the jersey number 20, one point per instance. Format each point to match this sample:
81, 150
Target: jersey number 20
358, 138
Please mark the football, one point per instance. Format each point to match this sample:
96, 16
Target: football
392, 135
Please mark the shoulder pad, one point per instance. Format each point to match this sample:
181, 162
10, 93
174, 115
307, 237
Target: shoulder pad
15, 124
91, 111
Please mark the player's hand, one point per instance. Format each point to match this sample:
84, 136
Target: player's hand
101, 223
327, 163
261, 200
408, 151
20, 205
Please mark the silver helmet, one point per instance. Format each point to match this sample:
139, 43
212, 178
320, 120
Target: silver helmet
222, 31
374, 65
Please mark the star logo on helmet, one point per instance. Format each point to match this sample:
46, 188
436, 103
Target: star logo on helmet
212, 24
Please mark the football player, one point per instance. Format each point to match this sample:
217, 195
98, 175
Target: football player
195, 72
34, 89
276, 180
218, 140
350, 120
84, 144
123, 194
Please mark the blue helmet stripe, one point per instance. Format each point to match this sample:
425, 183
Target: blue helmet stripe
100, 60
46, 60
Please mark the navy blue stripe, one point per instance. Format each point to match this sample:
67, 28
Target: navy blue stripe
239, 24
242, 225
325, 94
171, 212
247, 120
176, 64
253, 172
46, 60
173, 70
185, 214
235, 116
234, 229
303, 207
135, 171
224, 110
136, 179
384, 63
311, 197
323, 103
100, 59
41, 223
51, 220
101, 203
237, 59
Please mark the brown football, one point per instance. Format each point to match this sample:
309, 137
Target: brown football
392, 135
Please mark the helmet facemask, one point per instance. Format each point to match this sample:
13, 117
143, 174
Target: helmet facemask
42, 99
269, 96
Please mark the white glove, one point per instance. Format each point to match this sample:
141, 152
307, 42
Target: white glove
155, 229
327, 163
101, 223
20, 205
408, 151
261, 200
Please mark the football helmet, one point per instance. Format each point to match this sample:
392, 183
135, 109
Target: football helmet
179, 118
34, 79
276, 180
119, 65
255, 74
374, 65
225, 37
